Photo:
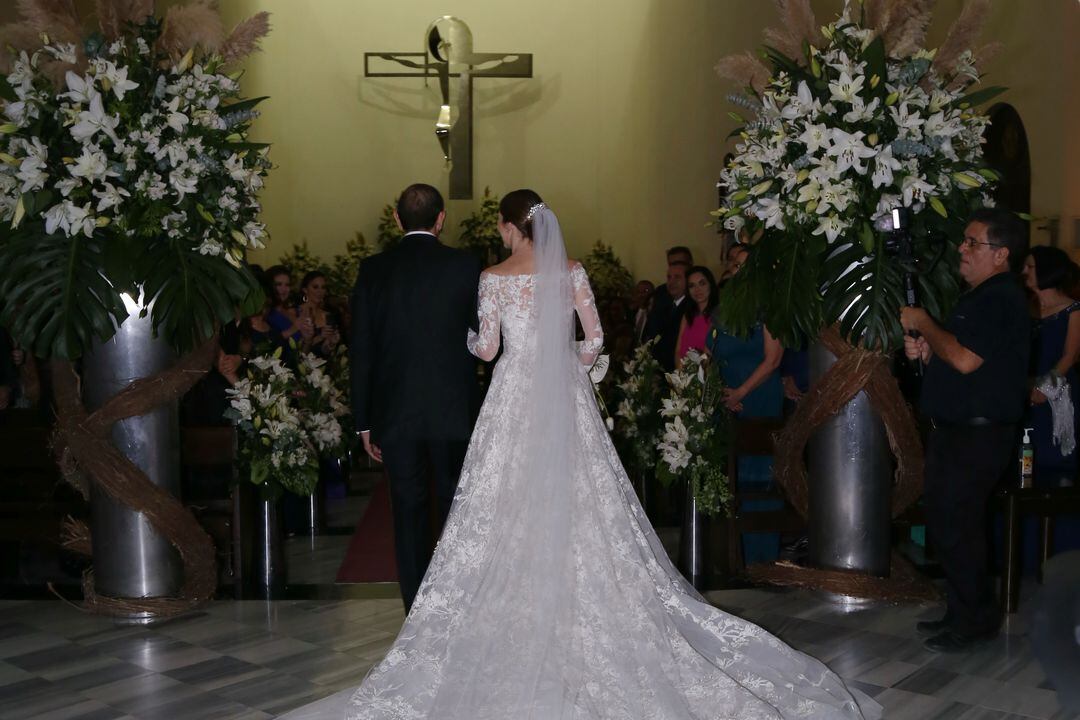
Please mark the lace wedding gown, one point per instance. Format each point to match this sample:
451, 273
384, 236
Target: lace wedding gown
615, 633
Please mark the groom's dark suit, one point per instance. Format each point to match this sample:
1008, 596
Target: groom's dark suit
414, 382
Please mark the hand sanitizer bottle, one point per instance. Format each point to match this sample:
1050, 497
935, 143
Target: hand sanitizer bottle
1027, 460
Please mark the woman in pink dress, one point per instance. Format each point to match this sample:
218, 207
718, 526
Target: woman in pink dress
694, 327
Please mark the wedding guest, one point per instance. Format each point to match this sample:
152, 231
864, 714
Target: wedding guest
324, 322
748, 366
974, 392
640, 304
283, 316
666, 314
734, 260
1048, 272
697, 318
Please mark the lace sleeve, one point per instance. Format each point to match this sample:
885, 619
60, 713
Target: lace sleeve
485, 344
585, 304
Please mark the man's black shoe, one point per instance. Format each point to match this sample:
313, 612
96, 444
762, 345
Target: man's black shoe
929, 628
951, 641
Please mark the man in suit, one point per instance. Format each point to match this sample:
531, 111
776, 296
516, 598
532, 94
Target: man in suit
414, 385
663, 321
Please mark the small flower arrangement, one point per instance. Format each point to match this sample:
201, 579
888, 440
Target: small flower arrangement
286, 420
638, 424
693, 445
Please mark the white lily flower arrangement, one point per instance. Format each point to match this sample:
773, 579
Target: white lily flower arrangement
841, 133
693, 441
637, 425
287, 420
126, 168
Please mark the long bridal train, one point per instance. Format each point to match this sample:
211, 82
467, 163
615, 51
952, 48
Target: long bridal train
550, 595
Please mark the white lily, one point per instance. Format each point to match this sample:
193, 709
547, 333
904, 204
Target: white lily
914, 190
815, 137
81, 88
835, 196
849, 150
255, 233
846, 88
56, 218
110, 197
801, 105
769, 210
80, 219
176, 119
92, 164
860, 111
118, 79
884, 165
94, 120
831, 225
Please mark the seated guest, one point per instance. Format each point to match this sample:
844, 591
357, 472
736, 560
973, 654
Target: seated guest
697, 318
324, 322
283, 316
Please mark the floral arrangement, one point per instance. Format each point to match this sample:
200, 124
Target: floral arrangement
126, 168
852, 120
638, 425
693, 445
286, 421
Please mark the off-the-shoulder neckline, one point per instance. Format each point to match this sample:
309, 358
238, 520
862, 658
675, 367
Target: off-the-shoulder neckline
488, 272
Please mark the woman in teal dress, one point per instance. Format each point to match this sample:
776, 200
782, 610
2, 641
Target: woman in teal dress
749, 368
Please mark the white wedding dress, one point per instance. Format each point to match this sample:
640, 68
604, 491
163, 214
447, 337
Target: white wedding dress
551, 597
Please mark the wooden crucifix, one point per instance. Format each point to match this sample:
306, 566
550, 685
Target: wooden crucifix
449, 54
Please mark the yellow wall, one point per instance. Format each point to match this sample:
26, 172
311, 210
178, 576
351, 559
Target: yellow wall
621, 129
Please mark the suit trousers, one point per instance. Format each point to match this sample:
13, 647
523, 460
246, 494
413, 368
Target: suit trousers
411, 464
963, 466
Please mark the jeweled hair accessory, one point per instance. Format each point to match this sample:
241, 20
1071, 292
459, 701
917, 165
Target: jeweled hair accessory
533, 210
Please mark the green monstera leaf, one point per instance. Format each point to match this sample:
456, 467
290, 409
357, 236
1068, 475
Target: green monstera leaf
57, 299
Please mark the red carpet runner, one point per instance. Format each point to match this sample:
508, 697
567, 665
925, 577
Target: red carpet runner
370, 557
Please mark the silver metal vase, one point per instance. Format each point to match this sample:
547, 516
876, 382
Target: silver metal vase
850, 485
131, 560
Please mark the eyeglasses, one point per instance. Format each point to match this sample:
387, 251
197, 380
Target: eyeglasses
970, 243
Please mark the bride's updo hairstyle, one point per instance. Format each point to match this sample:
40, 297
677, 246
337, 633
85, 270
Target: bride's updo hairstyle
515, 207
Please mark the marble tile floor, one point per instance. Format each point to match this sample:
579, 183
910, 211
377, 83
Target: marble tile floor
257, 660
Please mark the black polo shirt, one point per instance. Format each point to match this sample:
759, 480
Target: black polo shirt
992, 321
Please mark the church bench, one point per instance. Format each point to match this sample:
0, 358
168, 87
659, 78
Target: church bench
753, 437
1044, 503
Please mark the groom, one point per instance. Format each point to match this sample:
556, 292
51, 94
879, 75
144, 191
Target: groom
413, 380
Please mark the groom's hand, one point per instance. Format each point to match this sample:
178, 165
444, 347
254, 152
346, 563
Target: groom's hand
372, 450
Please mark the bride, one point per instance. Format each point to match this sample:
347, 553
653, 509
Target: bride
549, 596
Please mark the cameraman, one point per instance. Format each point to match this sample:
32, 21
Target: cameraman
974, 393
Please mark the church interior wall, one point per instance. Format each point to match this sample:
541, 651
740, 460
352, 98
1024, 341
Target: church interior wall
622, 128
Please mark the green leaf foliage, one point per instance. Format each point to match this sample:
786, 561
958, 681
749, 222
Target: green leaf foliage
480, 231
56, 298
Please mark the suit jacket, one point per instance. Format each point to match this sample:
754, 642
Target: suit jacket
663, 322
412, 375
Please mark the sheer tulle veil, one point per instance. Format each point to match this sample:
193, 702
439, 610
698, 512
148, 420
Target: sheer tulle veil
537, 503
